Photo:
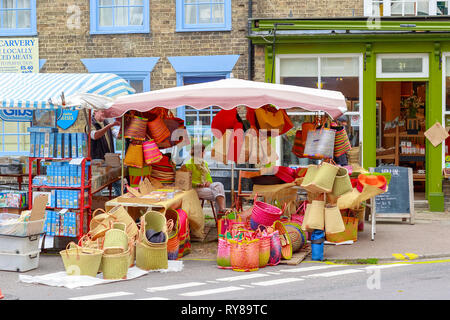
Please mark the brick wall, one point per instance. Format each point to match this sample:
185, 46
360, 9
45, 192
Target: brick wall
63, 47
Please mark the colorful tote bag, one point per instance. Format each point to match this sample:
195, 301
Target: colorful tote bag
152, 154
320, 144
341, 142
298, 146
269, 118
350, 233
136, 128
134, 156
138, 174
183, 234
157, 129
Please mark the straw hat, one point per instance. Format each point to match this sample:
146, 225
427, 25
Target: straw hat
378, 181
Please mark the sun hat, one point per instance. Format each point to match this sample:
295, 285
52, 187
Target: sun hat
372, 180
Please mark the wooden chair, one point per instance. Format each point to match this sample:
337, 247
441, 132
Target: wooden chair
212, 208
241, 195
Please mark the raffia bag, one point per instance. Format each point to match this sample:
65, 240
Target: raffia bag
342, 183
333, 220
322, 180
152, 256
314, 216
79, 261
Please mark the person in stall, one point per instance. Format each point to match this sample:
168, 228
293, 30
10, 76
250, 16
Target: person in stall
103, 132
202, 181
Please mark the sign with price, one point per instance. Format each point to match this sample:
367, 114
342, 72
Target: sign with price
19, 55
398, 200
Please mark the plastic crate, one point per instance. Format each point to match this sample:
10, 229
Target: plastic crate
21, 229
19, 262
19, 245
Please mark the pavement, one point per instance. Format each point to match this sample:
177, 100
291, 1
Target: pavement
395, 240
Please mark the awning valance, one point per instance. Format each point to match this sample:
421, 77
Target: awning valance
44, 90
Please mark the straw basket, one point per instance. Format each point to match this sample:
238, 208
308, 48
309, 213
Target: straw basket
310, 174
264, 250
275, 249
115, 266
152, 256
80, 261
264, 214
298, 238
120, 214
173, 244
342, 183
321, 180
116, 240
99, 224
223, 254
244, 255
285, 240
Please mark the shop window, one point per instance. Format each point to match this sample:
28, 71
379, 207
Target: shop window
203, 15
119, 16
17, 17
14, 138
442, 8
331, 72
402, 65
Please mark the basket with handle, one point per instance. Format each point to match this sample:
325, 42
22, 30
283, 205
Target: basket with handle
285, 240
264, 214
115, 266
116, 240
152, 256
79, 261
264, 245
299, 243
173, 242
223, 253
275, 248
244, 254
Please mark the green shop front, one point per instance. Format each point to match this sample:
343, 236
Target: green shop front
394, 73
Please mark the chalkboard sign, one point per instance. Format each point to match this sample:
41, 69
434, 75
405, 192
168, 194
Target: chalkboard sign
398, 200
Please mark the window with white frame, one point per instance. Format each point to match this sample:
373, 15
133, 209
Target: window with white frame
14, 138
402, 65
405, 7
331, 72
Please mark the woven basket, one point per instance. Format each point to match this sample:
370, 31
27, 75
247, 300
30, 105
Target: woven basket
173, 244
152, 154
303, 235
115, 266
323, 179
286, 245
310, 174
244, 255
295, 237
264, 214
99, 224
223, 254
80, 261
116, 238
315, 216
120, 214
152, 256
342, 183
157, 129
333, 220
275, 249
136, 129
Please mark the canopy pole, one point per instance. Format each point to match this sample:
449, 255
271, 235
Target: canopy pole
232, 182
123, 150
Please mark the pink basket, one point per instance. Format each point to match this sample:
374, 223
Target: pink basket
264, 213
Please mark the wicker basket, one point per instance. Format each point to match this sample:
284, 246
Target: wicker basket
152, 256
173, 244
223, 254
275, 249
264, 214
116, 240
80, 261
244, 255
120, 214
115, 266
286, 245
297, 244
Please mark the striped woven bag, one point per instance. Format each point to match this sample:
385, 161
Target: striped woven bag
157, 129
151, 152
341, 143
137, 128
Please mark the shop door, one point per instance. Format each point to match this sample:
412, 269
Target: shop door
401, 115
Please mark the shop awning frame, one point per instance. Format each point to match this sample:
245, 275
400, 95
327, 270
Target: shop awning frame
51, 91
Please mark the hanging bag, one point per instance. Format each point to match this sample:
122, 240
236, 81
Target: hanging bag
151, 152
333, 220
320, 144
341, 142
321, 179
157, 129
136, 129
315, 217
269, 118
350, 232
134, 156
342, 183
298, 148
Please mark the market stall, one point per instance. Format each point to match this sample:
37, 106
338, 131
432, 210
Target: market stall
59, 164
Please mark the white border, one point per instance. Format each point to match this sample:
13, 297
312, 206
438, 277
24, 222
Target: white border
278, 57
425, 66
444, 87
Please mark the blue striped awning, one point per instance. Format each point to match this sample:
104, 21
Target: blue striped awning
43, 90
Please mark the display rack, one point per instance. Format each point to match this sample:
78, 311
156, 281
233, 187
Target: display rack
82, 207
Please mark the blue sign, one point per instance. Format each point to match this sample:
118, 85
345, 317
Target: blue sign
66, 118
16, 115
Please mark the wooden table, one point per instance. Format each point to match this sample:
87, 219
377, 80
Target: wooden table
186, 200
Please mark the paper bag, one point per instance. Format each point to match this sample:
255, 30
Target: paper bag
183, 180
